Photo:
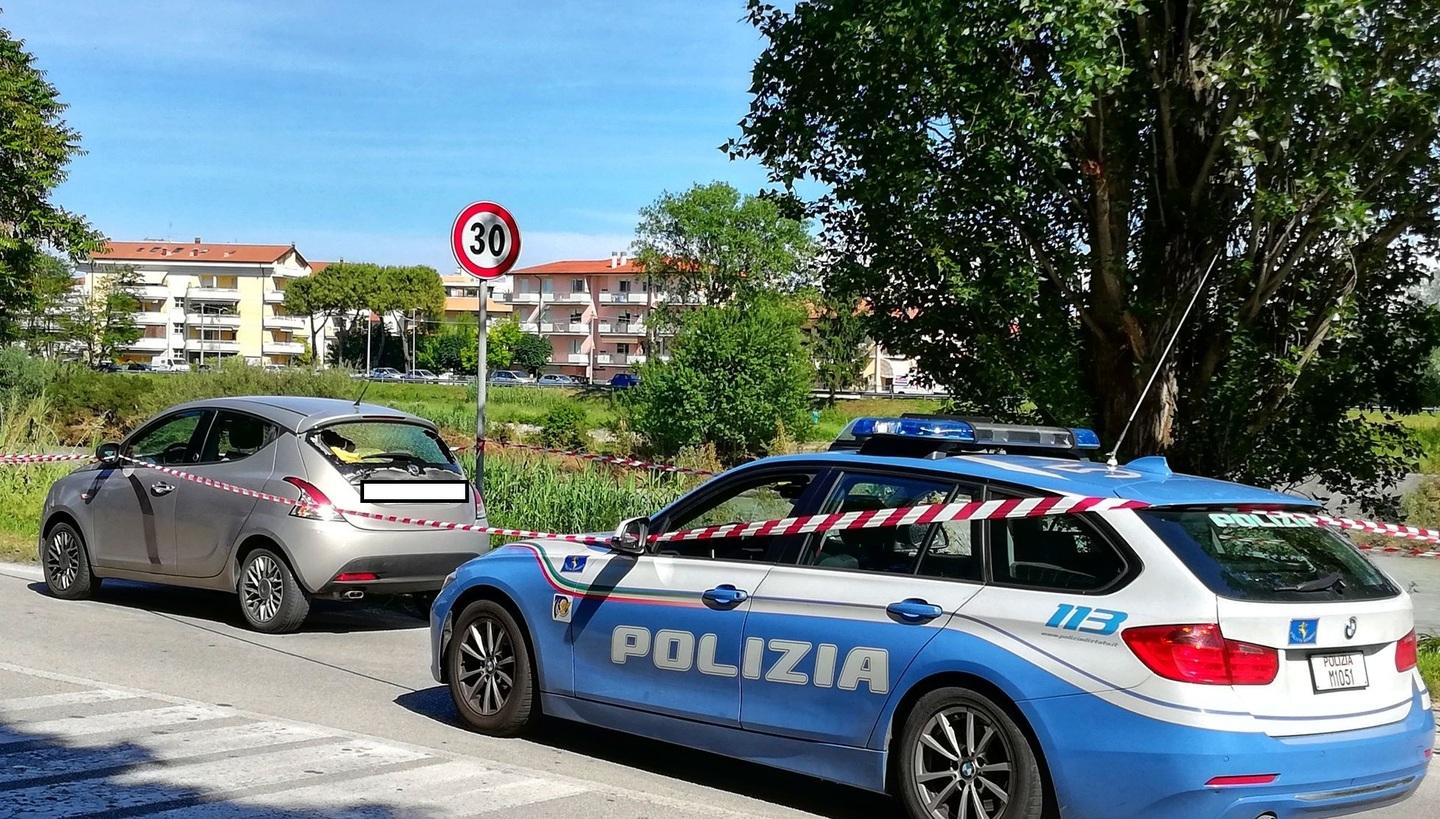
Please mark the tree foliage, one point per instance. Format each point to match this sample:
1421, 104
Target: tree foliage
453, 348
1030, 193
738, 378
500, 343
35, 147
836, 341
531, 353
713, 242
103, 324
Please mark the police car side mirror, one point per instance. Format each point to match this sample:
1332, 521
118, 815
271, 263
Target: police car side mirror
630, 536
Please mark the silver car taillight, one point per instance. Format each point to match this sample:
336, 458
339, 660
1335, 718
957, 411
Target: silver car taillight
314, 504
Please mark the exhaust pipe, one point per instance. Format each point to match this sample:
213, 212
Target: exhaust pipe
353, 594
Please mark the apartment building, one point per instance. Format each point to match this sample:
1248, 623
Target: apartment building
593, 311
204, 301
462, 299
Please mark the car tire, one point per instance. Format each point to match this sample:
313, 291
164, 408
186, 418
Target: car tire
65, 562
491, 672
958, 744
271, 599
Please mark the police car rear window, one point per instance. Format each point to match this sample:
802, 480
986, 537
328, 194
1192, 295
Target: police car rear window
1268, 556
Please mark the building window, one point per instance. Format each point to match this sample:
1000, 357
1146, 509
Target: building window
622, 349
624, 285
575, 345
577, 317
577, 285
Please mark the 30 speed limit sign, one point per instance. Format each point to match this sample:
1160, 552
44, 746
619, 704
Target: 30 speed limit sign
485, 240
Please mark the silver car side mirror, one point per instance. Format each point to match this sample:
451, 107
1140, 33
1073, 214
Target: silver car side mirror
631, 536
108, 454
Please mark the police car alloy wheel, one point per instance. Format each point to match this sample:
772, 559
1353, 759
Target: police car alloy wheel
490, 672
66, 564
962, 755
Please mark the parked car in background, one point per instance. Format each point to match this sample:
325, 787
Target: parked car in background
107, 367
509, 378
624, 381
556, 380
118, 518
137, 367
421, 375
385, 374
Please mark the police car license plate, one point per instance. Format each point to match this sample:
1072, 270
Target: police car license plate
1338, 672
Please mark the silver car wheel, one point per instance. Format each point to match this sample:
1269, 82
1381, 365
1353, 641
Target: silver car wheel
263, 588
487, 666
963, 765
62, 558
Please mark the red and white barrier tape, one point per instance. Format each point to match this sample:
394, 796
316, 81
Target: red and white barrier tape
614, 460
45, 459
1373, 527
873, 519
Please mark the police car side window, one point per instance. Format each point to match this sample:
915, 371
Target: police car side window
925, 549
769, 498
1056, 552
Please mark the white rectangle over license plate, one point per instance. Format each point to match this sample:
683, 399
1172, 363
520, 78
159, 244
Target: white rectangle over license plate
414, 491
1338, 672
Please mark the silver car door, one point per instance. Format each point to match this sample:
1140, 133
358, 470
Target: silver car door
240, 450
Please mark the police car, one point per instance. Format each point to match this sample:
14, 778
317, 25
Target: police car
1216, 653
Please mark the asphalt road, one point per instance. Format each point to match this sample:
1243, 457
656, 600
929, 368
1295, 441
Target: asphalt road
155, 702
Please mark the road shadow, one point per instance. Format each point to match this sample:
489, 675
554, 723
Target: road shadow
394, 613
43, 775
795, 791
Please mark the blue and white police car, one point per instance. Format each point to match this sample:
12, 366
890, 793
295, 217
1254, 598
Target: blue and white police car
1191, 658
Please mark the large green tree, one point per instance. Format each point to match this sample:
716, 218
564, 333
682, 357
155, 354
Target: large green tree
35, 147
1030, 193
738, 378
103, 323
405, 291
718, 244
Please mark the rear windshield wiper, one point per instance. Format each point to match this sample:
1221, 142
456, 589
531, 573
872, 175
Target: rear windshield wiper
1333, 580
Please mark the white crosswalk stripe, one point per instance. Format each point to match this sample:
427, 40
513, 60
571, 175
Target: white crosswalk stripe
188, 759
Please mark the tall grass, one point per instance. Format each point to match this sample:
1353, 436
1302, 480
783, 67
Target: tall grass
25, 429
558, 496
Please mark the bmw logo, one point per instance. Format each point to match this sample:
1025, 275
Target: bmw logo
967, 769
1350, 627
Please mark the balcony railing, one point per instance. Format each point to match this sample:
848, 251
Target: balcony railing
583, 297
196, 345
577, 358
629, 358
282, 348
538, 326
602, 358
572, 328
213, 319
149, 291
620, 328
274, 296
149, 345
608, 297
146, 319
285, 323
517, 297
213, 294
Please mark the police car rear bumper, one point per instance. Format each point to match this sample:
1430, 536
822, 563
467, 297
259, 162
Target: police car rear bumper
1164, 773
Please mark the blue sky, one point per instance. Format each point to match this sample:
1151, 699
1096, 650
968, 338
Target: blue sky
359, 129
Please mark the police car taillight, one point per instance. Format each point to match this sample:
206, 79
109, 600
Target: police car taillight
1405, 652
1199, 653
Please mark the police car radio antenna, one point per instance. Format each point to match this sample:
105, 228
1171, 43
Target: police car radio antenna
1110, 460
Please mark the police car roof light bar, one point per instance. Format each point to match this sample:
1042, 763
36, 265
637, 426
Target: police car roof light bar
921, 435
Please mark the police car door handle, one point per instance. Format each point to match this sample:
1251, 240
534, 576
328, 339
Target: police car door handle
161, 488
725, 596
914, 610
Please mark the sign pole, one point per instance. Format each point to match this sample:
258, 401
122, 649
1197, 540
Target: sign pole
480, 395
486, 243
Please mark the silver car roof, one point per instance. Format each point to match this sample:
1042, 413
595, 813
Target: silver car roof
302, 413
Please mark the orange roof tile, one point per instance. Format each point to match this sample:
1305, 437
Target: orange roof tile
192, 252
579, 267
316, 267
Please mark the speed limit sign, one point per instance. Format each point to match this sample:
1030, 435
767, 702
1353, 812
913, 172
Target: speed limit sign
485, 240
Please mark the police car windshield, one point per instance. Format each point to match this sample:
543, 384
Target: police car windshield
1268, 557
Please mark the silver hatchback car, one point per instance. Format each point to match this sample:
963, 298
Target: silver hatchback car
118, 519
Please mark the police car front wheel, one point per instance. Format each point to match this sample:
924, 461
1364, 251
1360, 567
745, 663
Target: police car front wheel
962, 755
490, 671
